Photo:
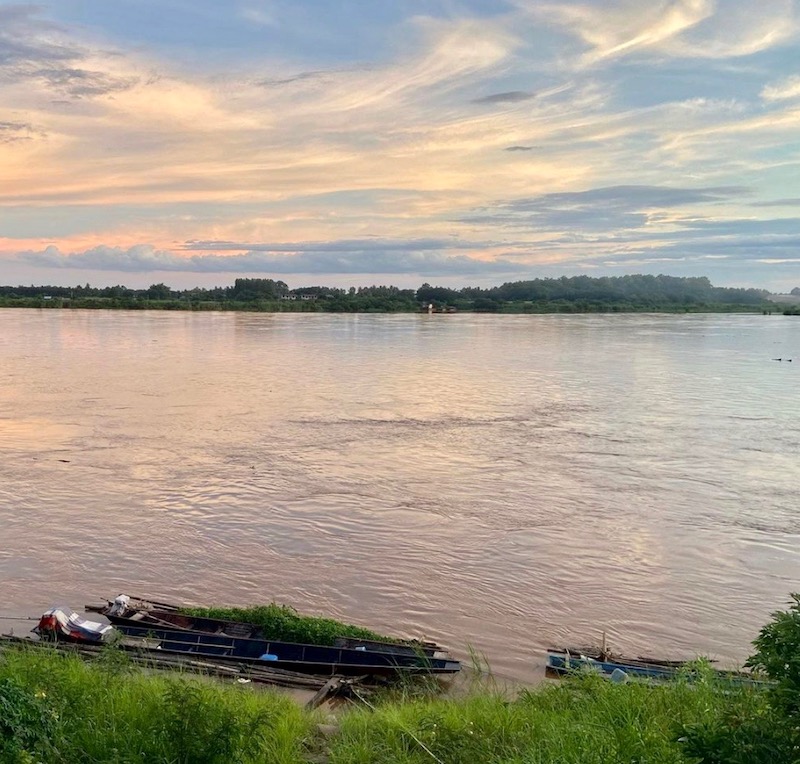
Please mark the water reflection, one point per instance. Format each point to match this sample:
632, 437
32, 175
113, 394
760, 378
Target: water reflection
507, 481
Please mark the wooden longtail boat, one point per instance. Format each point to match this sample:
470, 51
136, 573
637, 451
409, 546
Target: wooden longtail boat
561, 662
140, 612
354, 659
312, 659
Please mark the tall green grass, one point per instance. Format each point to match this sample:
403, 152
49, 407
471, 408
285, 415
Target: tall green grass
585, 720
283, 623
58, 709
65, 710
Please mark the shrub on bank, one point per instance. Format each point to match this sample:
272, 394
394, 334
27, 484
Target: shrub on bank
772, 735
26, 723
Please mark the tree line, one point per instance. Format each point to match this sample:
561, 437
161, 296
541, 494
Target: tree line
565, 294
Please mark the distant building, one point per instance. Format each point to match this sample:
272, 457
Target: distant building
301, 296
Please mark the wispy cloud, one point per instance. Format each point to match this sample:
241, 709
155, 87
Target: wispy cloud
677, 28
795, 202
15, 131
33, 49
601, 209
784, 90
263, 15
365, 257
544, 134
510, 96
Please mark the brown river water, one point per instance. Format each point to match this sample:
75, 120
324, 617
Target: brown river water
502, 482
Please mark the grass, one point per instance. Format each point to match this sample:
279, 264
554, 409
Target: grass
585, 720
56, 708
283, 623
107, 712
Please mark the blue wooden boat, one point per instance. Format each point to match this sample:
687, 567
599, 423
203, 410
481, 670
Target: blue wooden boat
562, 662
149, 625
309, 659
124, 612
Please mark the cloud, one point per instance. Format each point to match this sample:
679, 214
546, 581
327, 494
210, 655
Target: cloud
576, 128
15, 131
600, 209
677, 28
510, 96
354, 257
778, 203
345, 245
80, 83
25, 37
713, 252
264, 17
299, 77
625, 27
142, 257
784, 90
34, 49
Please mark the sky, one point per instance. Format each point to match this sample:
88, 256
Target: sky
467, 142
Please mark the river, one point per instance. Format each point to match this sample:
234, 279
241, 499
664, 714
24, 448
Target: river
497, 482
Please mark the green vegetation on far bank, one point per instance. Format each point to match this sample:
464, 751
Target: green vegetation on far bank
283, 623
56, 708
578, 294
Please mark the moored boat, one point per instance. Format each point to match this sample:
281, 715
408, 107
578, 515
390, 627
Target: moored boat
313, 659
562, 662
170, 631
125, 611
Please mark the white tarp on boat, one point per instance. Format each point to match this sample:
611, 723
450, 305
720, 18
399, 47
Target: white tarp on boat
63, 623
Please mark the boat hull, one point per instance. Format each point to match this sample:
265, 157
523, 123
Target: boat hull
563, 662
312, 659
170, 617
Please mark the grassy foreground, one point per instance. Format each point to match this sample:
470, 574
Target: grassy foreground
56, 708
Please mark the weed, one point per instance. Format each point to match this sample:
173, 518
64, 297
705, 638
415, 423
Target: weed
283, 623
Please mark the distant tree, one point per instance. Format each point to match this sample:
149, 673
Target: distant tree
158, 292
437, 295
486, 305
259, 289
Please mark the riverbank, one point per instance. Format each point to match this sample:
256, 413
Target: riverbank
346, 305
635, 293
61, 709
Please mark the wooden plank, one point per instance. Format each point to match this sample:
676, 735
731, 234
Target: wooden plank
329, 688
